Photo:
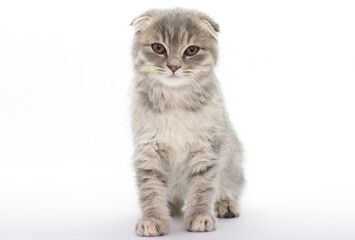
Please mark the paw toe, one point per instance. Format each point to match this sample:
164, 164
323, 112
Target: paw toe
201, 223
152, 227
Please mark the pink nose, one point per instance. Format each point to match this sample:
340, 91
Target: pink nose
174, 68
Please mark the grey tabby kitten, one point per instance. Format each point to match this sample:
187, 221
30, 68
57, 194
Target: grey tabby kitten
186, 151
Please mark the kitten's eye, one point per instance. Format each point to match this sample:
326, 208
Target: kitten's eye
192, 50
158, 48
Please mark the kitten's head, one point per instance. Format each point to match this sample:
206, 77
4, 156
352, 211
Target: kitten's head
174, 47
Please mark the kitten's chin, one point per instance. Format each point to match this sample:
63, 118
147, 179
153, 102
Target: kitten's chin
174, 81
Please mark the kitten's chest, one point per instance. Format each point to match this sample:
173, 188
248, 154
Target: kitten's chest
179, 128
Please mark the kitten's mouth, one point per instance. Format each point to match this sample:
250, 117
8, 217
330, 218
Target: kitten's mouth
173, 76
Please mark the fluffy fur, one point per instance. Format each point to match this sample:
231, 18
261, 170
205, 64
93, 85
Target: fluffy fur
186, 151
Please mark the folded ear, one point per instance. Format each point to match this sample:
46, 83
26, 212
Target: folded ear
210, 25
141, 22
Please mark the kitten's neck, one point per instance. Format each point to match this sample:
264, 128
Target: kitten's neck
161, 98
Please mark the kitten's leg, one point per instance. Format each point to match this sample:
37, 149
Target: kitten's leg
199, 215
230, 186
152, 181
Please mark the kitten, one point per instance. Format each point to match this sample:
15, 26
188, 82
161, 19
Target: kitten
186, 151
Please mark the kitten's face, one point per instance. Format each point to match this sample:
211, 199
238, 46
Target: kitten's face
174, 47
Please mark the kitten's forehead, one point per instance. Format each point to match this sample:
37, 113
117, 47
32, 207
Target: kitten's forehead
170, 34
177, 27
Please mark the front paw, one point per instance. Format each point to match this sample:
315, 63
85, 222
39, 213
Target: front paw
152, 227
200, 223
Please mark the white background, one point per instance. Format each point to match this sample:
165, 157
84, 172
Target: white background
287, 69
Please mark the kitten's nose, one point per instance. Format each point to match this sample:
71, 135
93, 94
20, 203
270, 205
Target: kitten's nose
174, 68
